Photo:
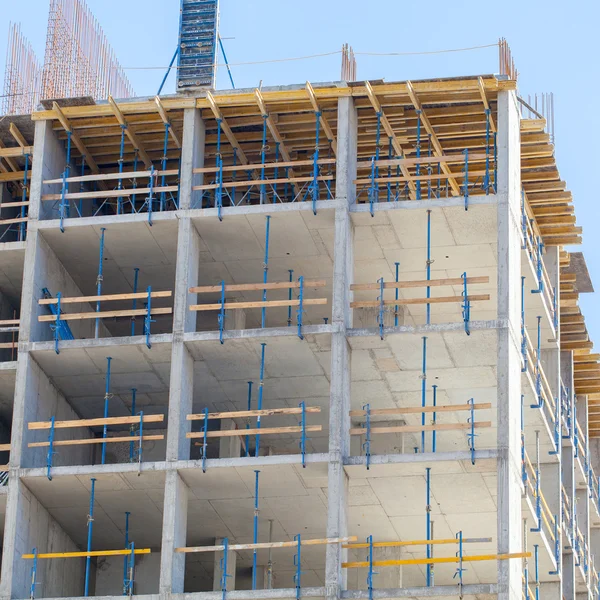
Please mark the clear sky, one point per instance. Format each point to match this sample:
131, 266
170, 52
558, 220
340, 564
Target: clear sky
554, 45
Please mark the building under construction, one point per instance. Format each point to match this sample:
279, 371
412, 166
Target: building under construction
314, 341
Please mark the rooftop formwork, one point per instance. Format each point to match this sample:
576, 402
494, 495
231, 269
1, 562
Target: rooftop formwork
310, 341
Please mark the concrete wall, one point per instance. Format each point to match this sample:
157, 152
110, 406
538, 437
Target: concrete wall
109, 575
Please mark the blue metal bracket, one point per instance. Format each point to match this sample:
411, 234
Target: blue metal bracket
367, 427
466, 304
381, 314
148, 319
204, 439
472, 435
298, 565
300, 310
50, 454
303, 435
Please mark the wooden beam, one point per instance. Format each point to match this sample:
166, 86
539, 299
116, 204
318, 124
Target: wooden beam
113, 176
403, 301
108, 297
435, 560
261, 431
15, 152
324, 124
165, 118
226, 129
9, 161
95, 422
254, 182
272, 165
437, 148
104, 315
260, 304
486, 104
125, 552
269, 412
110, 193
407, 410
424, 160
135, 142
267, 545
248, 287
14, 131
419, 428
418, 283
390, 133
76, 140
127, 438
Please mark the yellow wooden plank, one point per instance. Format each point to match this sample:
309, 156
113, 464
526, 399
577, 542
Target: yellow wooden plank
418, 428
92, 553
267, 545
418, 283
104, 314
269, 412
112, 440
107, 297
247, 287
421, 409
435, 560
402, 301
261, 431
95, 422
259, 304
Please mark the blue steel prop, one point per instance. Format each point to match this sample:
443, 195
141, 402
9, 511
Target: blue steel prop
107, 396
130, 571
276, 172
224, 574
247, 422
261, 385
263, 158
539, 266
150, 199
538, 488
429, 170
136, 273
90, 525
132, 428
423, 391
60, 329
397, 294
429, 569
289, 319
381, 313
557, 427
418, 151
140, 433
204, 439
50, 454
486, 179
266, 270
99, 280
221, 315
300, 311
523, 464
298, 565
33, 575
537, 571
472, 435
163, 180
148, 320
219, 159
367, 428
370, 572
303, 436
557, 550
255, 528
63, 207
460, 569
22, 226
495, 164
389, 170
315, 182
466, 175
523, 335
120, 161
428, 264
164, 80
125, 561
466, 304
538, 367
374, 186
434, 419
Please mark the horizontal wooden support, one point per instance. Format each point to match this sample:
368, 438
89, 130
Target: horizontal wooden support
419, 428
473, 175
447, 159
5, 345
254, 182
9, 322
12, 221
416, 284
107, 314
402, 301
435, 560
421, 409
419, 543
267, 545
261, 431
15, 151
259, 304
92, 553
114, 176
279, 165
4, 447
13, 176
4, 468
250, 287
13, 204
106, 298
95, 422
101, 194
268, 412
112, 440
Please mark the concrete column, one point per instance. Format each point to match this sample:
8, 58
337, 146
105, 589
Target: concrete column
339, 418
509, 370
49, 161
218, 570
172, 564
192, 156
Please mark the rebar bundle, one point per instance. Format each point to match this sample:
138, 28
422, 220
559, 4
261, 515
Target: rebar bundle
348, 63
22, 76
79, 60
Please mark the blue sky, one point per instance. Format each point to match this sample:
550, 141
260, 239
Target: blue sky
553, 43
